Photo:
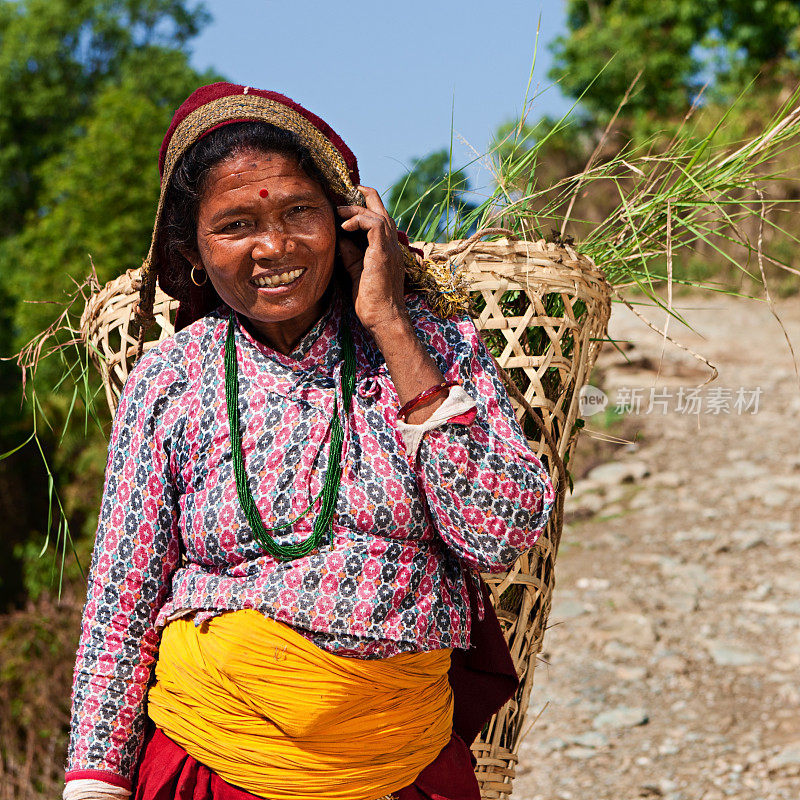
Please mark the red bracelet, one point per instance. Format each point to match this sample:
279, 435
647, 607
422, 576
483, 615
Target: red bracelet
422, 397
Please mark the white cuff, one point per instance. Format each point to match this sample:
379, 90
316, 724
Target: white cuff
457, 402
93, 789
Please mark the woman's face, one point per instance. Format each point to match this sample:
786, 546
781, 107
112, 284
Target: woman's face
266, 236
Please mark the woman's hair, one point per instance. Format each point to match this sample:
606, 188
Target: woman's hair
189, 179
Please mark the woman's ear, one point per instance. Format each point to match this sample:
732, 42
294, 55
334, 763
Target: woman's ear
192, 257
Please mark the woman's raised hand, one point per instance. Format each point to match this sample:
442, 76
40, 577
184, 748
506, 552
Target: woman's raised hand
377, 274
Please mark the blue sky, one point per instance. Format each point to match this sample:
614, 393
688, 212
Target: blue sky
388, 75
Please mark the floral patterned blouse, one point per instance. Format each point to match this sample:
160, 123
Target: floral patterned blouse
172, 538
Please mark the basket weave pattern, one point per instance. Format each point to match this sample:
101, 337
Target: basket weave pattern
517, 282
109, 329
516, 287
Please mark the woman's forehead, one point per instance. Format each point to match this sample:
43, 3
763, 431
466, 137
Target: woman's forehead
249, 168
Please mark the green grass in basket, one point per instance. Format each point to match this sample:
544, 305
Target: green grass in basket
699, 191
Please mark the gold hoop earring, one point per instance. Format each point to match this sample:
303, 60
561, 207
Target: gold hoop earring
194, 280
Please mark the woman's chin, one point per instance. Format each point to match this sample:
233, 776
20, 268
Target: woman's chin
280, 316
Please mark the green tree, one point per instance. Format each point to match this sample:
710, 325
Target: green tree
88, 90
749, 37
99, 194
55, 55
430, 197
679, 44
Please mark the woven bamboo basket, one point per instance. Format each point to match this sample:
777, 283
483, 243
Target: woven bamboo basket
543, 310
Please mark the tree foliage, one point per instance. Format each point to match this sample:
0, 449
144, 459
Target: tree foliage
98, 194
88, 89
55, 55
679, 45
430, 197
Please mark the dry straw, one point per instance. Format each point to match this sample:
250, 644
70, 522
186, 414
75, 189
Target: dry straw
544, 311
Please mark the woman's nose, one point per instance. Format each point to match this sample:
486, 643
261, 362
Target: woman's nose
270, 243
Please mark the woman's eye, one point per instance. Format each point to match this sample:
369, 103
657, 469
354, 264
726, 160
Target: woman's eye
236, 225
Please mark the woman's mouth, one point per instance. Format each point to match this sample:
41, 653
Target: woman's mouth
284, 279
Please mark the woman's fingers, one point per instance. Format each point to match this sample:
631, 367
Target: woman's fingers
374, 209
359, 211
377, 271
361, 219
375, 204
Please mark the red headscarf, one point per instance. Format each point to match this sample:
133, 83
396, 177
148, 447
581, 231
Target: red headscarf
216, 91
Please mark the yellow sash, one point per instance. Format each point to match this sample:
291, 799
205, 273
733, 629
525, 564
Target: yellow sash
274, 714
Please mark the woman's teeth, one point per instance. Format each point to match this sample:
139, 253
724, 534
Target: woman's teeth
278, 280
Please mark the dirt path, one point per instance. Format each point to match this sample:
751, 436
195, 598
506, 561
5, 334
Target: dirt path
674, 651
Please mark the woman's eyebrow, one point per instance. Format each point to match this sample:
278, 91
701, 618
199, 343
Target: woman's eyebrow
298, 197
291, 198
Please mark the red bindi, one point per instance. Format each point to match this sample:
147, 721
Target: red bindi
263, 192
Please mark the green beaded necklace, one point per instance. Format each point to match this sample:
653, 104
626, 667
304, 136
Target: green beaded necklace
333, 473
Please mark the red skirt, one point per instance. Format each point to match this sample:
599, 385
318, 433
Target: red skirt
168, 772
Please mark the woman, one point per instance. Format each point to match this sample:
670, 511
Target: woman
301, 486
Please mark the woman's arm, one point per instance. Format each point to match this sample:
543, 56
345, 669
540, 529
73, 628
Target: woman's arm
410, 366
136, 550
378, 280
488, 493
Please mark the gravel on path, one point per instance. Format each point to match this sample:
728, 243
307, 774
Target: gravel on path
671, 661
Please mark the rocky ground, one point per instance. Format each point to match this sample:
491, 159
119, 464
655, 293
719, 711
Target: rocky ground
673, 649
